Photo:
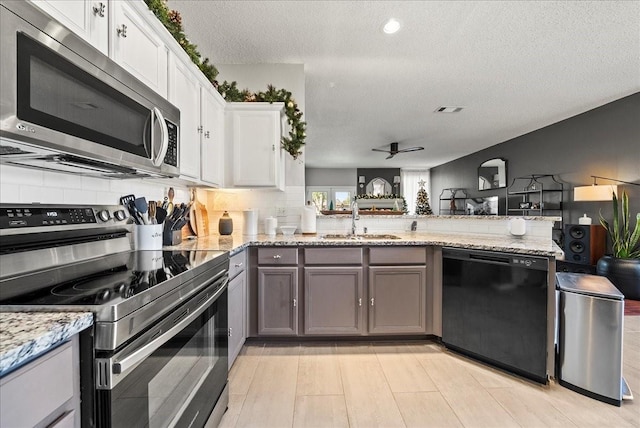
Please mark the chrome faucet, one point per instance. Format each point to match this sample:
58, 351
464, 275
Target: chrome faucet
354, 217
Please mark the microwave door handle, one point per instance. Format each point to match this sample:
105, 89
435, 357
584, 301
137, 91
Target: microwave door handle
164, 131
140, 354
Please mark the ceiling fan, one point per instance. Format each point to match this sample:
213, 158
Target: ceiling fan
394, 150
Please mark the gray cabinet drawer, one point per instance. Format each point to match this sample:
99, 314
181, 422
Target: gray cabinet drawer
397, 255
277, 256
237, 264
333, 256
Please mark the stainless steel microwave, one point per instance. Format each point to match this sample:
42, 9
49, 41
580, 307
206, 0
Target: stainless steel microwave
67, 107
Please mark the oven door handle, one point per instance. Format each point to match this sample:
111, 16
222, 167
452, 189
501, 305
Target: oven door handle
140, 354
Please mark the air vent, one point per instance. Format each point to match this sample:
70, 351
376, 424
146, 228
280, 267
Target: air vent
448, 109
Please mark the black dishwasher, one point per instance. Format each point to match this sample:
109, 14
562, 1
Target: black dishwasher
494, 309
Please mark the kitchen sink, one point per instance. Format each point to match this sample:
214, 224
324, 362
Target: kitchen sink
363, 237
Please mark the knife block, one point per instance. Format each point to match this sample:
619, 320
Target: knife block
171, 237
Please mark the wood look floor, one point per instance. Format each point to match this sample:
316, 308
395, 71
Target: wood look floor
410, 384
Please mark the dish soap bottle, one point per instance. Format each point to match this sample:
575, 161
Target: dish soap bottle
225, 225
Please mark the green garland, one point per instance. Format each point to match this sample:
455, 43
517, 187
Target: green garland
292, 144
391, 196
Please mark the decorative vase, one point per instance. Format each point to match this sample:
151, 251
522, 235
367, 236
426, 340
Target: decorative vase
225, 225
623, 273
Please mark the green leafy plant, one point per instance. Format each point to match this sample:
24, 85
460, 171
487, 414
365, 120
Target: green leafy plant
624, 241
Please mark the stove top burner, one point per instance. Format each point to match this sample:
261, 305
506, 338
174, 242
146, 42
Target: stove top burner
106, 280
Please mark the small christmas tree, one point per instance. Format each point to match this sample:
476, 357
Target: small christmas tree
422, 201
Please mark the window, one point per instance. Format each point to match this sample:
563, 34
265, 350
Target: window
322, 197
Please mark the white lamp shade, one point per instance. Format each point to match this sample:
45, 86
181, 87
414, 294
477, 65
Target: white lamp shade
594, 192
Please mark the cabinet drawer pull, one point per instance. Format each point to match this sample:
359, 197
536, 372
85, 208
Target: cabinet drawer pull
360, 302
372, 301
99, 10
238, 264
295, 302
122, 31
277, 256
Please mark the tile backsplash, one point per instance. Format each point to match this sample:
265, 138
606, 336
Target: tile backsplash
26, 186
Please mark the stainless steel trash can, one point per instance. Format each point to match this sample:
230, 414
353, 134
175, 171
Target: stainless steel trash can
591, 317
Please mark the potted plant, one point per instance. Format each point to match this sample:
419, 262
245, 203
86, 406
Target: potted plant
622, 267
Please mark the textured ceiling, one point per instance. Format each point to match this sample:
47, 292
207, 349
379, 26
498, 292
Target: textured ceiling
515, 66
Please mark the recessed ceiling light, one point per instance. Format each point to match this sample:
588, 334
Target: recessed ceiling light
448, 109
391, 26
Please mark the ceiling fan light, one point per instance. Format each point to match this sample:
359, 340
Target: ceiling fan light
391, 26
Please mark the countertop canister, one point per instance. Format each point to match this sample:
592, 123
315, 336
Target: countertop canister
225, 225
270, 224
250, 222
308, 221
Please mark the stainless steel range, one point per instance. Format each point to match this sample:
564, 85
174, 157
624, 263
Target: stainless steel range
157, 355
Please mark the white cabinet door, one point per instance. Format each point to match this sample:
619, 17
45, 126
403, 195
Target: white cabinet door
137, 47
212, 119
185, 94
87, 18
257, 156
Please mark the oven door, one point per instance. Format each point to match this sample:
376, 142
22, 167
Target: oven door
174, 374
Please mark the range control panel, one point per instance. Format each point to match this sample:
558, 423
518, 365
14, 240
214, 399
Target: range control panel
29, 216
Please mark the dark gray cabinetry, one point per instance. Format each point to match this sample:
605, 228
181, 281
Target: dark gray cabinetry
277, 291
397, 290
333, 291
237, 305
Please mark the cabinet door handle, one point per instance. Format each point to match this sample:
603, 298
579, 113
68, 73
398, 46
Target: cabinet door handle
230, 332
372, 301
122, 31
360, 302
200, 129
99, 10
206, 134
277, 256
295, 302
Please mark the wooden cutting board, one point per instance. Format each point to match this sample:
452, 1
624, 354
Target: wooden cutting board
200, 215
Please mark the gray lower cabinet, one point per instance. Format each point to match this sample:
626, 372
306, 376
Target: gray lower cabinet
277, 301
397, 299
333, 299
237, 305
43, 393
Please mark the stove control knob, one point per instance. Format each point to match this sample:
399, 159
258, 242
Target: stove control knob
104, 215
120, 215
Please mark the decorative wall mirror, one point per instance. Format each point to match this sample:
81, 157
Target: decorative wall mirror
378, 186
492, 174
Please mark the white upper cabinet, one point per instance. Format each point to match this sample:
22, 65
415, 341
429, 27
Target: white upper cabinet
184, 93
88, 19
136, 45
253, 133
212, 115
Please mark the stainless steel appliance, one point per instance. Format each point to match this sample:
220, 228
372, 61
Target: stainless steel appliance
67, 107
157, 355
590, 332
494, 308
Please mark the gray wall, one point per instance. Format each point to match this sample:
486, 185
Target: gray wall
330, 176
604, 141
371, 173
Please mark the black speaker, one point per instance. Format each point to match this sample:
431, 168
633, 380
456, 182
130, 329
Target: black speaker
584, 243
565, 266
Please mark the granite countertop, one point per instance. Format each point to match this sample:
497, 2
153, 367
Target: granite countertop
27, 335
237, 242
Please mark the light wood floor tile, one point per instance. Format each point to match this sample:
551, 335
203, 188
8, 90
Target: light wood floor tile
487, 376
230, 417
241, 373
319, 371
475, 407
529, 407
320, 411
402, 369
426, 409
448, 373
369, 399
271, 395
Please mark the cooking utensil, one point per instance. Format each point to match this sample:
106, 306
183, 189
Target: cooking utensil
152, 212
170, 194
135, 214
161, 215
124, 200
142, 207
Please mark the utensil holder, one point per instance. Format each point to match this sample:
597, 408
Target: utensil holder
147, 237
